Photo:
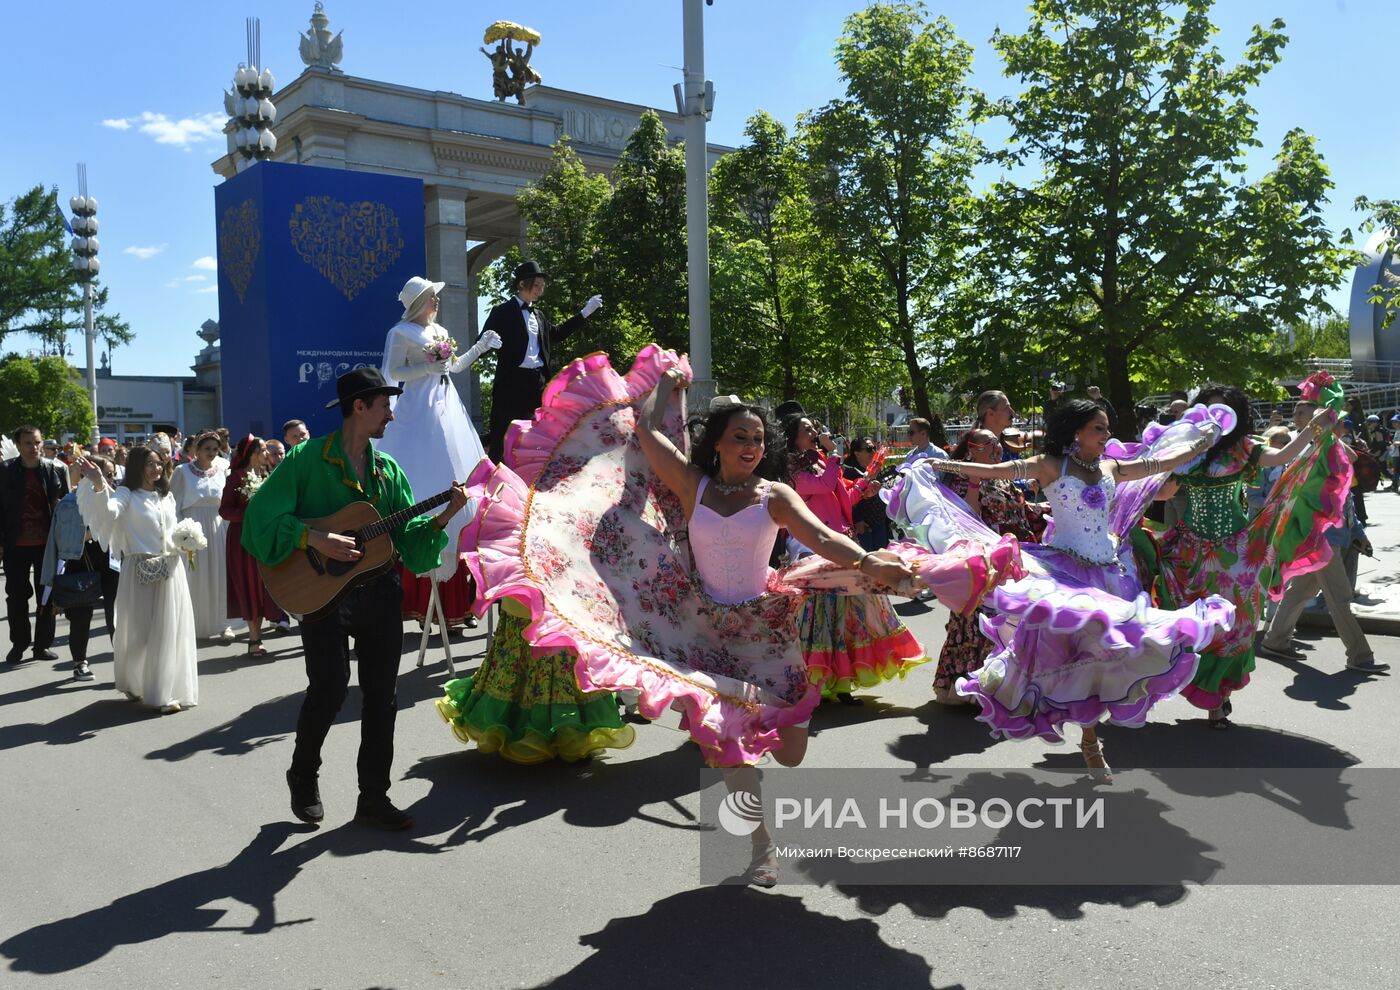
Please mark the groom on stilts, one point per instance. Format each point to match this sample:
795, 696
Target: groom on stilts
523, 365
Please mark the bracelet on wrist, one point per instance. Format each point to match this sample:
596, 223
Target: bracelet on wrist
860, 560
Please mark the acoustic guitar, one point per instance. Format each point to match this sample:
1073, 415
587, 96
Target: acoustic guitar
310, 585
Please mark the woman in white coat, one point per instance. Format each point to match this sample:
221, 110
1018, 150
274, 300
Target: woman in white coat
431, 436
198, 487
153, 650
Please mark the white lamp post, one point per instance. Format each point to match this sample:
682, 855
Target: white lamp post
85, 268
250, 104
695, 100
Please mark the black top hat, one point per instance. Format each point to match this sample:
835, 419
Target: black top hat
358, 384
527, 270
791, 409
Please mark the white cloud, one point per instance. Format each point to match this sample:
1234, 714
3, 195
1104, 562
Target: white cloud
207, 288
205, 264
196, 278
145, 253
174, 283
202, 128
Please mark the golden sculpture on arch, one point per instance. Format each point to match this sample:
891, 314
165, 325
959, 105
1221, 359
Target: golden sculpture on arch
511, 71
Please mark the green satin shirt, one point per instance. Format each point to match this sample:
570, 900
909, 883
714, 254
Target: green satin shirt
313, 481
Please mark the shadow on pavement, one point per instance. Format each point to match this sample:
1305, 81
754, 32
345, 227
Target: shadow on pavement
832, 715
471, 788
951, 731
271, 721
713, 937
77, 726
254, 877
1171, 854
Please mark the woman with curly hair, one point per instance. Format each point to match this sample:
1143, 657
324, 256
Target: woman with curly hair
1218, 549
1004, 509
1075, 640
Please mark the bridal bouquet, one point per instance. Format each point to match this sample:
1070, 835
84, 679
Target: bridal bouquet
441, 349
188, 538
250, 485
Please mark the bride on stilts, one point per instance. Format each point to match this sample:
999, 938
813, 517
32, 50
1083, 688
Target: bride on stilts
431, 436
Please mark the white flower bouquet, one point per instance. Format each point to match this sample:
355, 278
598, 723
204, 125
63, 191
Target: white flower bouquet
188, 538
251, 483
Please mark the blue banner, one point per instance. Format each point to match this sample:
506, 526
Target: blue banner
311, 261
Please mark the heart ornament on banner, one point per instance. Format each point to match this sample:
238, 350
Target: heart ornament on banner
350, 244
240, 237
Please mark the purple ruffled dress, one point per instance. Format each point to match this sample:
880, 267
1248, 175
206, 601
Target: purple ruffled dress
1077, 639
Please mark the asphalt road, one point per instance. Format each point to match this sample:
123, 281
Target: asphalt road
157, 851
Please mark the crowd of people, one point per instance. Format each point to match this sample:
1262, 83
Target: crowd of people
748, 576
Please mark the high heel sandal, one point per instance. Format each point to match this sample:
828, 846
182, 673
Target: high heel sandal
1094, 760
759, 873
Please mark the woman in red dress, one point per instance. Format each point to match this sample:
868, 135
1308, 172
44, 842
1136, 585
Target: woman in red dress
247, 595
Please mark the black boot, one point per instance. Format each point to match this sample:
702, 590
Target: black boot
306, 798
379, 812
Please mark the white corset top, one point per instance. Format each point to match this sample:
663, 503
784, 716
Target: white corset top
1080, 511
731, 552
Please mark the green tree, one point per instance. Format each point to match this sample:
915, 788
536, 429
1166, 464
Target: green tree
561, 212
36, 278
889, 169
44, 392
1384, 215
1140, 251
641, 236
773, 332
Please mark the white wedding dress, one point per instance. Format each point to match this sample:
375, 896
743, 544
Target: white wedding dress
153, 648
431, 437
197, 496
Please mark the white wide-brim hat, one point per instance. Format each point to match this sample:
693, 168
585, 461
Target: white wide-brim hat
414, 288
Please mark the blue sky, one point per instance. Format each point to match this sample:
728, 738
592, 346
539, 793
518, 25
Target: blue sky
136, 93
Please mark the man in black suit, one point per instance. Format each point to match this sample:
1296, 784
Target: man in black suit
523, 364
30, 487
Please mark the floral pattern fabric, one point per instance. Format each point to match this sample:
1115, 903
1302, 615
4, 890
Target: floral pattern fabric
577, 528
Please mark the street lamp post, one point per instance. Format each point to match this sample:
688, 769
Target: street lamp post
695, 100
85, 268
249, 104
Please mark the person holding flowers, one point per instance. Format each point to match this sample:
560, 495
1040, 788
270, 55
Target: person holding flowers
431, 437
153, 650
247, 595
198, 487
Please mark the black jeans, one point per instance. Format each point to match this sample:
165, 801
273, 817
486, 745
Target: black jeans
370, 615
80, 617
21, 584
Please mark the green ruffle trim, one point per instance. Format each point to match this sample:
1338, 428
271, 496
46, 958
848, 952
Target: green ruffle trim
1215, 670
536, 734
866, 676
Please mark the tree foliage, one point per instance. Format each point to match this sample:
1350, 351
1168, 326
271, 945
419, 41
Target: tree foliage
39, 294
889, 168
1141, 253
35, 267
641, 242
44, 392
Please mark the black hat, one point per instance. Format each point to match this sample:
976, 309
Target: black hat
358, 384
527, 270
791, 409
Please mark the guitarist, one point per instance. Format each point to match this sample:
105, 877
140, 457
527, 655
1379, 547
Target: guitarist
316, 479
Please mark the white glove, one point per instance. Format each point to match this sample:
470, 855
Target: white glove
412, 372
488, 341
591, 307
